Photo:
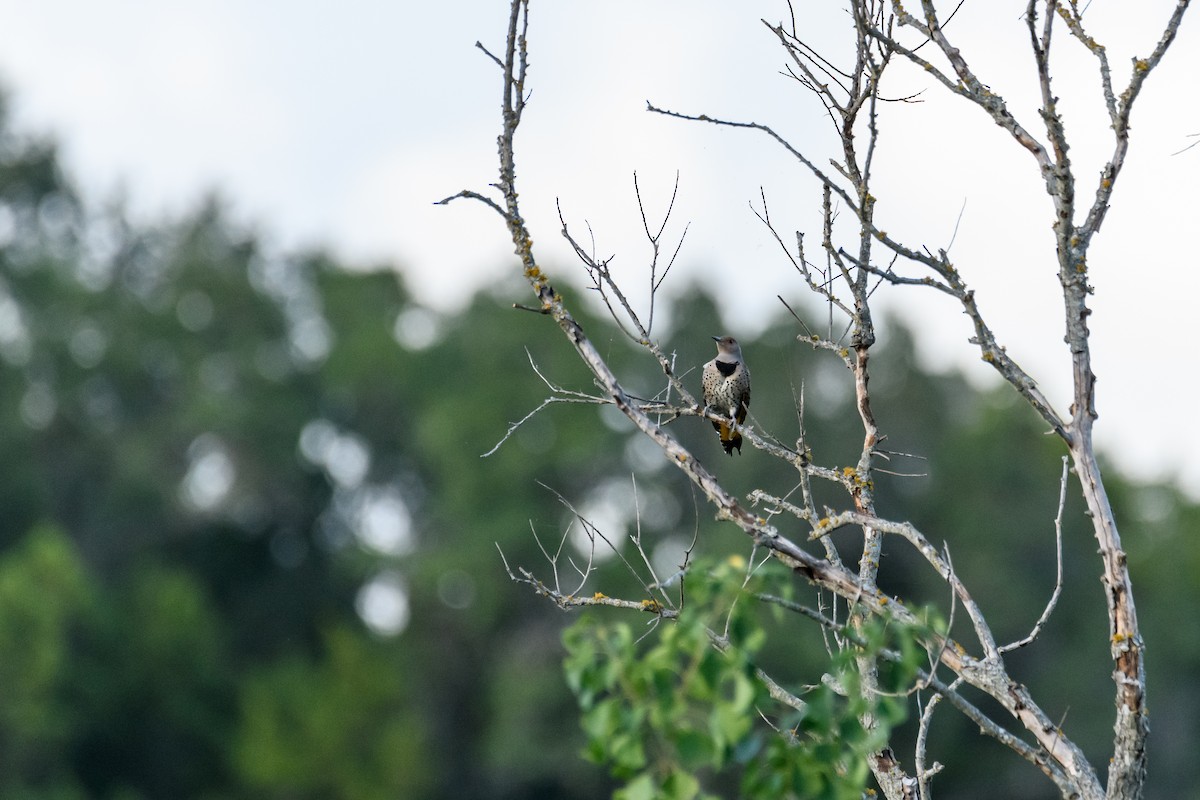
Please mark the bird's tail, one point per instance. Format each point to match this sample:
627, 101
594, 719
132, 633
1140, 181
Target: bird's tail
729, 437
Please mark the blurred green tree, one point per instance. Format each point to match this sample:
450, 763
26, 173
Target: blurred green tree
221, 465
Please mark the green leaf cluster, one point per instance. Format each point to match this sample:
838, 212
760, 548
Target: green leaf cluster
681, 711
825, 749
662, 709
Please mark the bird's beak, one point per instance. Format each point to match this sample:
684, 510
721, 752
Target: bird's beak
716, 338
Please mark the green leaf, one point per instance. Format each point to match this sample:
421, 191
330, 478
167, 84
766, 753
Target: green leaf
695, 748
640, 788
680, 785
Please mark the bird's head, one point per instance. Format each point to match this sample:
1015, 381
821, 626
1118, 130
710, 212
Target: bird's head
729, 347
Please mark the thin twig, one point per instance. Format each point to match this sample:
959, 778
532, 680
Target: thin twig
1058, 580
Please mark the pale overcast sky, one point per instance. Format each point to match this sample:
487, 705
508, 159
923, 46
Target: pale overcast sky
340, 123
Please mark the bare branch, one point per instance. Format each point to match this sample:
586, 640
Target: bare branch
470, 195
967, 85
489, 54
603, 282
822, 287
1058, 581
558, 395
1190, 146
923, 773
569, 601
656, 280
922, 545
799, 156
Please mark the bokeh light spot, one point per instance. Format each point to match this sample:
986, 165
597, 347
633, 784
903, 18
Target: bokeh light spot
210, 475
38, 406
456, 588
383, 604
385, 524
194, 310
416, 328
88, 345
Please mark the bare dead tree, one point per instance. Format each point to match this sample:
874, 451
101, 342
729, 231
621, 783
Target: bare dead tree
884, 33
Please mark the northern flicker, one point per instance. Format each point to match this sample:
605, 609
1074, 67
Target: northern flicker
726, 384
